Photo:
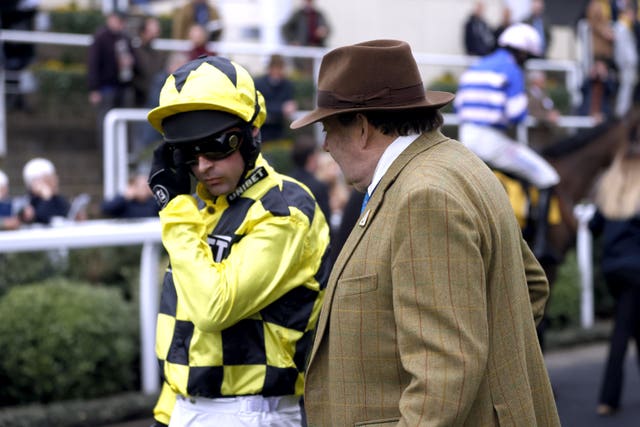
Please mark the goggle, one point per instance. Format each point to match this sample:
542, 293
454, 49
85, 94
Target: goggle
216, 147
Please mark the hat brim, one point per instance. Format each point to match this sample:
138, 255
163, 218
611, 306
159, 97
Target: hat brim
433, 99
194, 125
158, 114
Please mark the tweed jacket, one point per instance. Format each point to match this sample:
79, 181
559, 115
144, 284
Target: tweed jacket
428, 317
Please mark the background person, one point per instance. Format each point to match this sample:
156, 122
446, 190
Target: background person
538, 21
43, 200
8, 218
306, 26
478, 35
200, 12
135, 202
248, 253
199, 40
279, 95
414, 328
110, 68
617, 222
625, 57
305, 154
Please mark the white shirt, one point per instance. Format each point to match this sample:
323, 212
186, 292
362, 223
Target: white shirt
390, 154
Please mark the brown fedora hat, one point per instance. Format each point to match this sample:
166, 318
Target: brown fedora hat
373, 75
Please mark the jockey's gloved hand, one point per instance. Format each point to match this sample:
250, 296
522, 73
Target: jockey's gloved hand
167, 179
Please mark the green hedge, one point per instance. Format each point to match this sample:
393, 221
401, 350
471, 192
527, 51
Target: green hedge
117, 267
563, 308
65, 340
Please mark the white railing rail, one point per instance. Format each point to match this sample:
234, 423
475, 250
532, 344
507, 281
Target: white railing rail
99, 233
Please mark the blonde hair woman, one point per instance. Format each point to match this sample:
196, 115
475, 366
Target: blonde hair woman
617, 221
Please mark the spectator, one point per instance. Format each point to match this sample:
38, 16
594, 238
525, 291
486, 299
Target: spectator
278, 92
199, 12
490, 99
625, 56
199, 41
617, 222
110, 68
350, 215
329, 172
18, 56
542, 108
150, 135
478, 36
44, 200
306, 26
8, 218
505, 22
538, 21
136, 202
305, 155
598, 88
248, 252
149, 64
148, 60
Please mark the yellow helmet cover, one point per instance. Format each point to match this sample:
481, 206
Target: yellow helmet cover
210, 83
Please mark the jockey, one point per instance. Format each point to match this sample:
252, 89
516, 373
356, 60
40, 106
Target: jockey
491, 99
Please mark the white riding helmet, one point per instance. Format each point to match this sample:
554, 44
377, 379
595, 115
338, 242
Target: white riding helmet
522, 37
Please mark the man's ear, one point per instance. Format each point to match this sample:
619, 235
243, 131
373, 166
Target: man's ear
362, 128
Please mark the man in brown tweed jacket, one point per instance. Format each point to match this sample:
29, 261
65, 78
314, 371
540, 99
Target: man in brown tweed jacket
429, 315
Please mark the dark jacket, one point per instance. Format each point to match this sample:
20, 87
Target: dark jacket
275, 93
620, 243
46, 209
318, 188
120, 207
297, 29
102, 66
478, 37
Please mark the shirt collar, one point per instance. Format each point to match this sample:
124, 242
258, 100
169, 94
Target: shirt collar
388, 157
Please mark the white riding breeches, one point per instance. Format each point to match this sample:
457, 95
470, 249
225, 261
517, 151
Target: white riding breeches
240, 411
502, 152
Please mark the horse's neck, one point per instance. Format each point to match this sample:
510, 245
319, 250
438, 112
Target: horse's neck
579, 170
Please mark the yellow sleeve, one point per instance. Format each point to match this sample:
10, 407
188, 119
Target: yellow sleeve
273, 257
164, 406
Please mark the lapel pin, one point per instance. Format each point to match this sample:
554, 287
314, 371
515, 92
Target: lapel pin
363, 221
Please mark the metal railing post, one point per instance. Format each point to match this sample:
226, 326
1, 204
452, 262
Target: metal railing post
149, 262
584, 255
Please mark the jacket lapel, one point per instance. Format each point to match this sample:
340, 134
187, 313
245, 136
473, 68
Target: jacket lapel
422, 143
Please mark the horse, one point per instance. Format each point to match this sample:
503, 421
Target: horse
579, 160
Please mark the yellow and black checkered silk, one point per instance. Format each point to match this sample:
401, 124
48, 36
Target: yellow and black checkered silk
242, 295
